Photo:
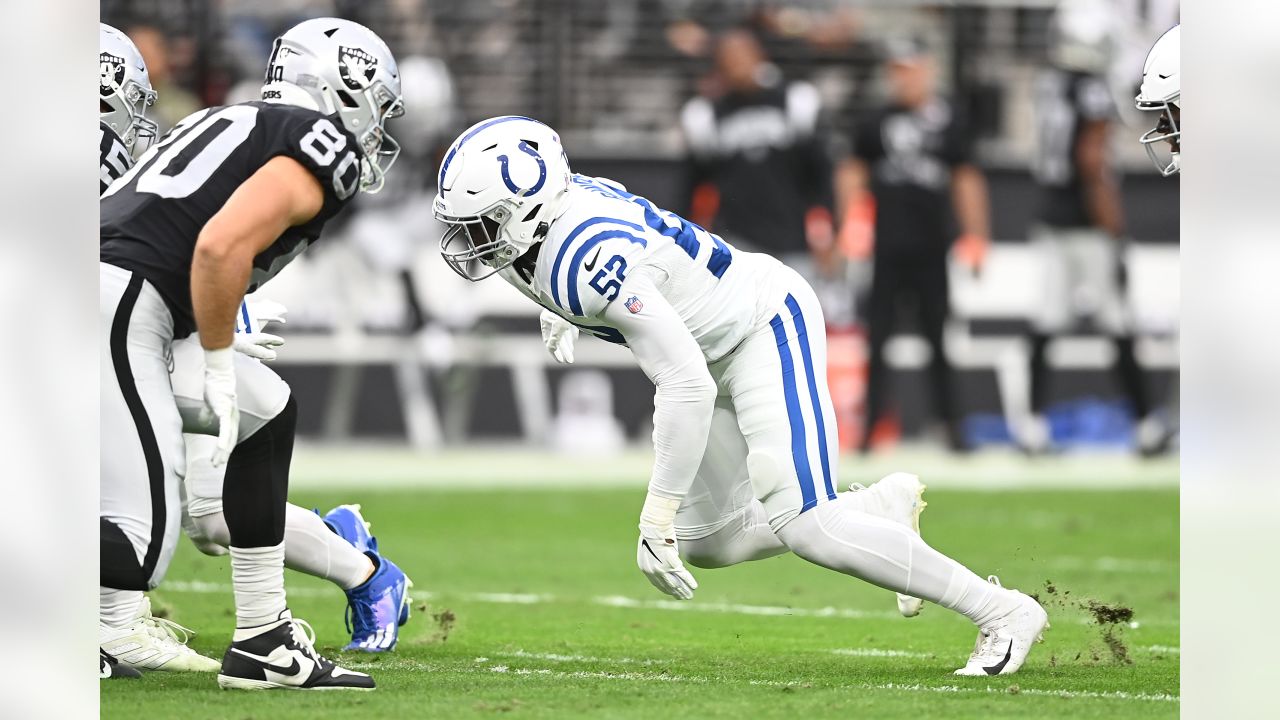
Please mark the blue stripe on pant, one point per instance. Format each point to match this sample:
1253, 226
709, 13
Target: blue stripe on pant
802, 339
799, 447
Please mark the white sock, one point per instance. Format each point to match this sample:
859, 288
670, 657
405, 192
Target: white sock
117, 607
309, 547
890, 555
257, 575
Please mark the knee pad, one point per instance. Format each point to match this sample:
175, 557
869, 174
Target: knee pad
208, 533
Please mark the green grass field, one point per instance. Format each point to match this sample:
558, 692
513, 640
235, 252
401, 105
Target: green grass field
529, 605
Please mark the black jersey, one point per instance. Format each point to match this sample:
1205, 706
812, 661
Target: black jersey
150, 220
113, 158
910, 154
763, 153
1065, 102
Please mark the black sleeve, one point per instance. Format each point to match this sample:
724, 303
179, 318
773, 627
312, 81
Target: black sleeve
321, 145
113, 159
959, 150
866, 142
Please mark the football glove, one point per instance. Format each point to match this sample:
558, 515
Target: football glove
220, 401
249, 339
659, 560
258, 345
559, 335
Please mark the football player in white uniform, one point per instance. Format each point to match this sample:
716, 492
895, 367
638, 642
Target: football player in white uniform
1161, 92
734, 342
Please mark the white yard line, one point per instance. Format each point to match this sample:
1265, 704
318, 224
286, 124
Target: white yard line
362, 467
877, 652
482, 664
613, 601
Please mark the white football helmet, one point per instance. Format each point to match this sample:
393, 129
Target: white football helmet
501, 186
1161, 92
341, 68
124, 89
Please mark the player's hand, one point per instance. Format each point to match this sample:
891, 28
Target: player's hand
971, 251
263, 312
559, 336
220, 401
659, 559
258, 345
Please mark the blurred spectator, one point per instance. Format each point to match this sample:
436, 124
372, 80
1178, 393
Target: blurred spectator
174, 102
1080, 227
915, 156
759, 168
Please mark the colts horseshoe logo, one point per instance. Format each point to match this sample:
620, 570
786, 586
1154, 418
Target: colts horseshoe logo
506, 174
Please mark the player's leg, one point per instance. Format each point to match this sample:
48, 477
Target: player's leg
1103, 265
783, 423
376, 588
1051, 317
720, 522
880, 318
141, 465
933, 293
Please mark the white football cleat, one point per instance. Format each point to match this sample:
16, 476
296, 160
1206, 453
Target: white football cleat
899, 497
152, 643
1004, 643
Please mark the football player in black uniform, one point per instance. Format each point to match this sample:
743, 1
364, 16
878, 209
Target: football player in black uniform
217, 207
1080, 227
376, 588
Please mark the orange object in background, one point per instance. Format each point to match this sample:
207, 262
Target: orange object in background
847, 378
858, 227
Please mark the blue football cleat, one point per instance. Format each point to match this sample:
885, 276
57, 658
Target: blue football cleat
377, 609
347, 522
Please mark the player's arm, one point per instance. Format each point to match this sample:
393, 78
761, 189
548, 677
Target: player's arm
972, 208
1101, 191
683, 405
280, 195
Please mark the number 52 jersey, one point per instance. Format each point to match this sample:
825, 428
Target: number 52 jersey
607, 235
150, 219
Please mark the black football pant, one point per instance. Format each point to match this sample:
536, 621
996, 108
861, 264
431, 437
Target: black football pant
923, 286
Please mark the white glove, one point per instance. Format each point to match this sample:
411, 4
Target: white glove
250, 340
258, 345
220, 401
262, 311
559, 335
659, 560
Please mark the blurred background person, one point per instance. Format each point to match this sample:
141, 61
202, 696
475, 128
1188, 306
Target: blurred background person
915, 158
759, 168
1079, 231
174, 102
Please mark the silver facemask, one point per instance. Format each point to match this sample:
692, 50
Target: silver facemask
473, 245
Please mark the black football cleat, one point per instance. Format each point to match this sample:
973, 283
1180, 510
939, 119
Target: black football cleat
283, 655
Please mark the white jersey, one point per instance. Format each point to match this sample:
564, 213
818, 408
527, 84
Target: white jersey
607, 235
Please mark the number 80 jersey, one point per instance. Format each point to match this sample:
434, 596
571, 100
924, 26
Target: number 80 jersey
150, 219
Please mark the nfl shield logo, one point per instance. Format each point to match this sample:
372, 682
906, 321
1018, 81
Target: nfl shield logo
634, 305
